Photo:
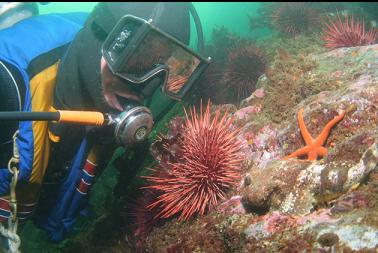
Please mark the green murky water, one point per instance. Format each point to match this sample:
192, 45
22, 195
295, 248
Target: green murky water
233, 16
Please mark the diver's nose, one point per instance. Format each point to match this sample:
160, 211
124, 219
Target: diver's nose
113, 88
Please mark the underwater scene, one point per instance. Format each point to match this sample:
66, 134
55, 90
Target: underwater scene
203, 127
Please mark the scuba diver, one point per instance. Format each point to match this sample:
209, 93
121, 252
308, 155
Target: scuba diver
125, 63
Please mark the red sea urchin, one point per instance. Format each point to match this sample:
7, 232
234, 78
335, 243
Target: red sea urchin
209, 165
245, 64
294, 18
347, 33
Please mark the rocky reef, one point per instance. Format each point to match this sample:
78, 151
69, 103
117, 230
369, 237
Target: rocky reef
293, 205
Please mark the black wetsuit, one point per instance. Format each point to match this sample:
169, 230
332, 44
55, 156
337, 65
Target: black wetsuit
12, 93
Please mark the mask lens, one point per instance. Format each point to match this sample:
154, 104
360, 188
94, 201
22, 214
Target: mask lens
137, 51
152, 51
157, 50
181, 66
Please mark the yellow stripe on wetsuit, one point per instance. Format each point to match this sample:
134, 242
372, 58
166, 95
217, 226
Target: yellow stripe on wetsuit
42, 91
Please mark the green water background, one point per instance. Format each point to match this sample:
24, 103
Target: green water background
232, 15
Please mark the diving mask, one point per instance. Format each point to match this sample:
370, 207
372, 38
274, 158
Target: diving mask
137, 51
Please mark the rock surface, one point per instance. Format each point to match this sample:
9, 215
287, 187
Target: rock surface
328, 205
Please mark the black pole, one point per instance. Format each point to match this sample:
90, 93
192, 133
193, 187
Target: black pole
30, 116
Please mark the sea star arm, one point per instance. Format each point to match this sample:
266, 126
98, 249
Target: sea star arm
300, 152
314, 148
321, 151
320, 140
305, 133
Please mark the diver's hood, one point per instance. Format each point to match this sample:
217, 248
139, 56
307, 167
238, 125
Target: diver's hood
78, 84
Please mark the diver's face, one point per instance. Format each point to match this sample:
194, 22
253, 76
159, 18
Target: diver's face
113, 87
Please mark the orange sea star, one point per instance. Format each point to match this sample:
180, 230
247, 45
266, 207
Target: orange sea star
314, 147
